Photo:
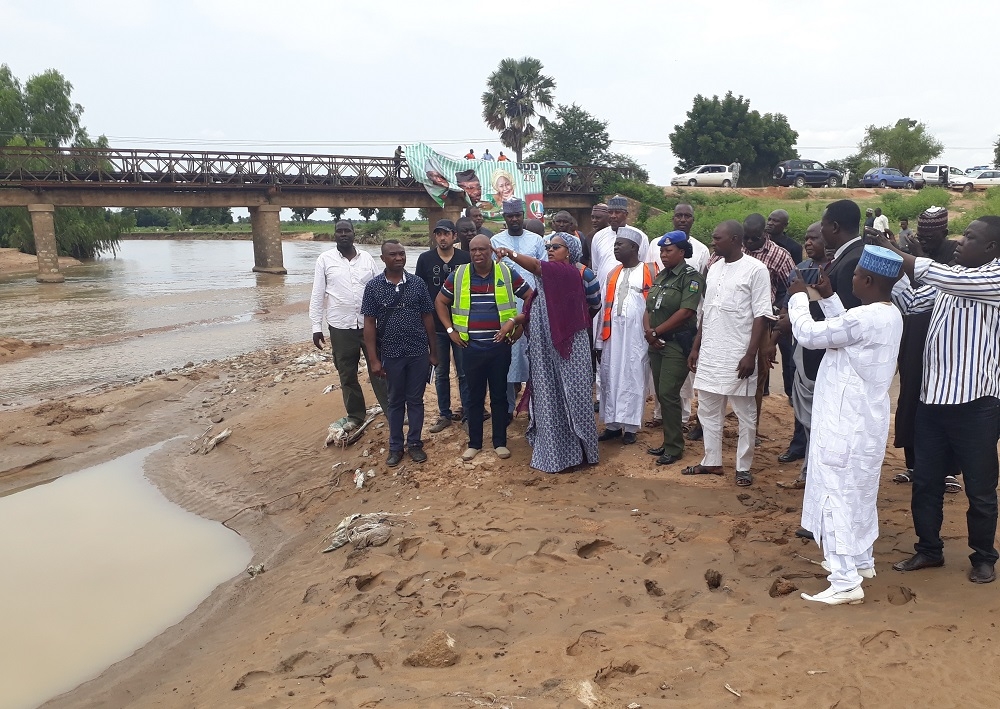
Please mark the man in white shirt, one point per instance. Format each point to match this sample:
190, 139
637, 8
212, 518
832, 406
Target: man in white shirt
881, 222
724, 357
338, 286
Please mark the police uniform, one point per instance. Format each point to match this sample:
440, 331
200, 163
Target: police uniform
672, 290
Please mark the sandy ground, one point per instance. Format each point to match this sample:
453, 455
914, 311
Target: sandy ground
13, 262
519, 589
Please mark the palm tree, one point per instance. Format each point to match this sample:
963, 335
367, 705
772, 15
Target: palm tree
512, 93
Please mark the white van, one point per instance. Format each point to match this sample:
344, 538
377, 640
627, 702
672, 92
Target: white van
932, 174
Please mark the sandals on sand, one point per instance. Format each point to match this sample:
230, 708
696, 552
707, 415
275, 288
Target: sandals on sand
951, 484
744, 478
701, 470
792, 485
654, 423
904, 477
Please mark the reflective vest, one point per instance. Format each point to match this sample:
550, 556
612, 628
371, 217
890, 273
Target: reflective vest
503, 292
648, 271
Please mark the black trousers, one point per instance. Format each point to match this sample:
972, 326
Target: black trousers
487, 367
966, 434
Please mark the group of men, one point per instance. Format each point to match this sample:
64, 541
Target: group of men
471, 155
838, 317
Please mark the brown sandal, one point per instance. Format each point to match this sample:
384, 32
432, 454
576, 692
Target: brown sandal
744, 478
701, 470
654, 423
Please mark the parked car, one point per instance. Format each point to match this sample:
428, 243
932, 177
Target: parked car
806, 172
553, 171
705, 176
981, 180
980, 168
932, 173
890, 177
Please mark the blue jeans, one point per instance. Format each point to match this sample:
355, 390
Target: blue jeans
407, 377
487, 367
442, 380
966, 434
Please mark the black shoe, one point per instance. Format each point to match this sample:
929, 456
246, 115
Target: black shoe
667, 459
628, 439
804, 534
695, 434
417, 455
918, 561
394, 459
789, 457
609, 433
655, 451
982, 573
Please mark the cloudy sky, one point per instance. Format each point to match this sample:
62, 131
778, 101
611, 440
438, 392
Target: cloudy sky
357, 78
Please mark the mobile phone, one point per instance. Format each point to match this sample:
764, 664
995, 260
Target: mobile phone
809, 276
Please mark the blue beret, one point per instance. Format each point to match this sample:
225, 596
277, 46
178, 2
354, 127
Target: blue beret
672, 237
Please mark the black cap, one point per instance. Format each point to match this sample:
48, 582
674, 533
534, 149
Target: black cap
445, 224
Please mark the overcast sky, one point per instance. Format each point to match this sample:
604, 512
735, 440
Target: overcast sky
357, 78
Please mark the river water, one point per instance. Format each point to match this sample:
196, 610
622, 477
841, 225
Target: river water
85, 585
156, 305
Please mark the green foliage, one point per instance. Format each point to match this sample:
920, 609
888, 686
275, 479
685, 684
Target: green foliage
40, 110
509, 103
337, 213
903, 145
390, 214
211, 216
574, 136
721, 131
367, 212
996, 152
404, 228
856, 165
302, 214
989, 205
154, 217
81, 232
900, 205
796, 193
371, 232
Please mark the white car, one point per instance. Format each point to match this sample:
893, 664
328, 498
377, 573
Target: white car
932, 174
705, 176
981, 180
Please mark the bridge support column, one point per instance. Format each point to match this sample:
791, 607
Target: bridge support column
266, 223
449, 211
582, 217
44, 228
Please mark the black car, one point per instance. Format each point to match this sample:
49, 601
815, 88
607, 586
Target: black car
806, 172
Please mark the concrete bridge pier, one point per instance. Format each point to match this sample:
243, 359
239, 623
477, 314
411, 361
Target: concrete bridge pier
44, 228
449, 211
266, 224
582, 216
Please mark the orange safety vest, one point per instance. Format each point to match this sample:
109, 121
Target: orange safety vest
648, 272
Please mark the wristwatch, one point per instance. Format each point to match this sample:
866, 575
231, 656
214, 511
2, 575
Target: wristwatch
450, 330
513, 254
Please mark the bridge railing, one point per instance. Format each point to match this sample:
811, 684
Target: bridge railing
36, 167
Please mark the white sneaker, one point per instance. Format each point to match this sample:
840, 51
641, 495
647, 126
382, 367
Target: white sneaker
865, 573
503, 452
470, 453
837, 598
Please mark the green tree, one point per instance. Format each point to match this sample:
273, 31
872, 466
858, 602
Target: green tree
337, 213
367, 212
996, 152
207, 216
724, 130
574, 136
13, 115
390, 214
302, 214
857, 165
627, 162
514, 94
903, 145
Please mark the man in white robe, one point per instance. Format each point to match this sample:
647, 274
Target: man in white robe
850, 417
622, 340
724, 357
516, 238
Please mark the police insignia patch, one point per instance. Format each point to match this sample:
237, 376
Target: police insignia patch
694, 287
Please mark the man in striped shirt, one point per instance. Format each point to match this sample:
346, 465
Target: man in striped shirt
959, 411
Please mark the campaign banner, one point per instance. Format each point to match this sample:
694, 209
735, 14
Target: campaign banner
486, 184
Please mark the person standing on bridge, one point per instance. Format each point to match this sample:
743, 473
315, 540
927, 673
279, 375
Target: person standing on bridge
487, 156
338, 286
397, 159
471, 155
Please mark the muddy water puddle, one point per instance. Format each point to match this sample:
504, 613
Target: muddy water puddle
94, 565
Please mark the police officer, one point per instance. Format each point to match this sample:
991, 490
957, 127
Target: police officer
670, 326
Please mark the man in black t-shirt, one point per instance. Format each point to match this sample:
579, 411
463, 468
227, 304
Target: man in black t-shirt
433, 267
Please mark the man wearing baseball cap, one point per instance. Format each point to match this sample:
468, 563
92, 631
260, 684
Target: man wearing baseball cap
434, 267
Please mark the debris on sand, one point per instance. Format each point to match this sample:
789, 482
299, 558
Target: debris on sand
213, 442
713, 578
437, 651
361, 530
781, 587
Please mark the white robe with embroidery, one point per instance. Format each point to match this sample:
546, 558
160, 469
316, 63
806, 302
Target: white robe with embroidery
625, 356
850, 415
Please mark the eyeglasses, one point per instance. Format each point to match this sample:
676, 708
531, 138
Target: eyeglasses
553, 247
